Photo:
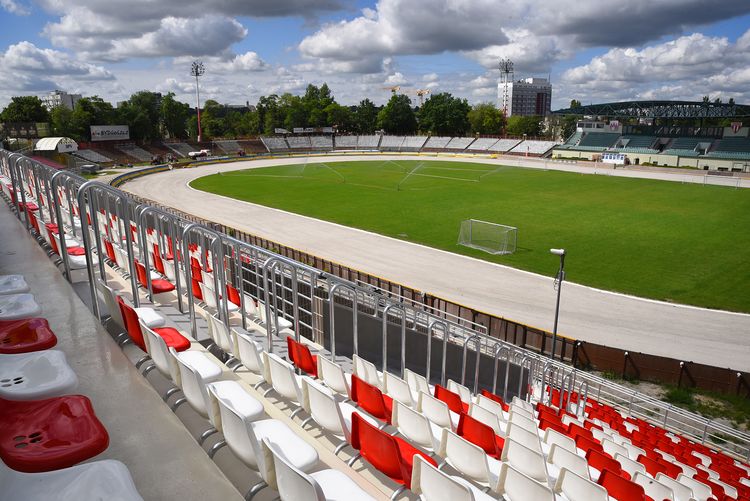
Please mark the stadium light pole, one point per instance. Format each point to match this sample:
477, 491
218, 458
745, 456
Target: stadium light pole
197, 70
558, 283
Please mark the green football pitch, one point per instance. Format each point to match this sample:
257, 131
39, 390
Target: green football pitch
677, 242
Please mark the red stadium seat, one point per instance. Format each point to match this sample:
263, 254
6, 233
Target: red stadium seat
390, 455
480, 434
171, 336
233, 295
158, 286
371, 399
620, 488
602, 461
453, 400
50, 434
25, 335
496, 398
301, 357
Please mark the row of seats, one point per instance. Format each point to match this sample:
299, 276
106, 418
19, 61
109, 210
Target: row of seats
408, 143
45, 431
284, 461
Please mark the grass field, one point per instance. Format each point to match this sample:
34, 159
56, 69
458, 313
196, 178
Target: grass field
664, 240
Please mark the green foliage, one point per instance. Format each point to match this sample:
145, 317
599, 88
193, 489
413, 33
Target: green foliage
142, 113
90, 111
174, 115
365, 117
444, 115
24, 109
486, 118
398, 117
680, 396
628, 235
519, 125
575, 103
61, 118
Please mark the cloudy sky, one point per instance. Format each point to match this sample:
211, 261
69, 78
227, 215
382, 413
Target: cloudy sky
594, 50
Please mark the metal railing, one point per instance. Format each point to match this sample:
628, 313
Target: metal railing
291, 290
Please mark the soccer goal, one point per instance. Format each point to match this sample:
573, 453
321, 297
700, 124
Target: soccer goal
489, 237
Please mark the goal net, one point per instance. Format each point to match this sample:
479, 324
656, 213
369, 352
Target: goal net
489, 237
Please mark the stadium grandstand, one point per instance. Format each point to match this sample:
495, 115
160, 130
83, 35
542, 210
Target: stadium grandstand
368, 142
181, 149
346, 142
92, 156
386, 143
715, 148
135, 152
299, 142
435, 143
280, 373
503, 145
391, 143
482, 144
229, 147
321, 143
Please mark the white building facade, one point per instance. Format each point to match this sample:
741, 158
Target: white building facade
60, 98
528, 96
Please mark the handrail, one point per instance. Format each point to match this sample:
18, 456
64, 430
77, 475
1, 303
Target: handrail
332, 318
387, 310
430, 328
478, 348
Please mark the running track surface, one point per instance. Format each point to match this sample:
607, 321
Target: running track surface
686, 333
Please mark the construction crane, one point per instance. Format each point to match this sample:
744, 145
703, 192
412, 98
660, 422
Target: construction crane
422, 93
394, 89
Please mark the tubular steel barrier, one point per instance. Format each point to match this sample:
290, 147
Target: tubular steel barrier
290, 284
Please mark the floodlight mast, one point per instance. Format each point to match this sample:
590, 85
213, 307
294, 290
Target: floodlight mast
197, 70
506, 73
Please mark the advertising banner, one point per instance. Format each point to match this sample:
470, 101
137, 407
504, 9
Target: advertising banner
110, 132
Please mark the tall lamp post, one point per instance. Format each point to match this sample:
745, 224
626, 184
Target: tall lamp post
558, 285
197, 70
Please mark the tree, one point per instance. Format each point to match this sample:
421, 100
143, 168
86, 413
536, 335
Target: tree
269, 114
24, 109
521, 125
485, 118
90, 111
142, 113
365, 117
212, 123
339, 116
61, 121
444, 115
397, 117
575, 103
293, 109
569, 125
174, 116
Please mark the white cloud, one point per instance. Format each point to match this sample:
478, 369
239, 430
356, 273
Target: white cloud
395, 79
14, 7
688, 67
29, 69
534, 34
430, 77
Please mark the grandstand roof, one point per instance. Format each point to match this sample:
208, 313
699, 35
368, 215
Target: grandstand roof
661, 109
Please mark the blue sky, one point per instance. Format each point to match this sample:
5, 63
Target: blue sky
594, 50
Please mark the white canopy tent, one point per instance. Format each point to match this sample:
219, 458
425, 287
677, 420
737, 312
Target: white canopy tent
58, 144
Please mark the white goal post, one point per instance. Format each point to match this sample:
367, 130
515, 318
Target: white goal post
489, 237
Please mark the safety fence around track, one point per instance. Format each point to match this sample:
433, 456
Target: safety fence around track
625, 364
320, 304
